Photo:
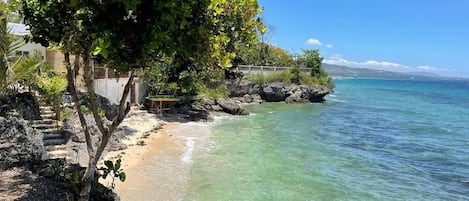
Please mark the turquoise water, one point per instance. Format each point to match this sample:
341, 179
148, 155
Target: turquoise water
372, 140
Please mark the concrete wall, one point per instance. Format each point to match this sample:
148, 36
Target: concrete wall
113, 88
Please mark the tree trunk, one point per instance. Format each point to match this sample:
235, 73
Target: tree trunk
106, 131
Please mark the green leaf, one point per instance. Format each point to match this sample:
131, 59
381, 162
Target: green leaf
109, 164
122, 176
118, 165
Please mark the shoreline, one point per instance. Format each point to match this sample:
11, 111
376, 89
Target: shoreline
158, 166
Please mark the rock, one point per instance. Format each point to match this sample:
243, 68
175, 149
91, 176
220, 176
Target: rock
256, 98
103, 103
25, 104
273, 92
296, 98
78, 136
217, 108
239, 89
19, 143
231, 107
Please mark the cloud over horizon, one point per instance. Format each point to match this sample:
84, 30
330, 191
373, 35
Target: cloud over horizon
329, 46
381, 65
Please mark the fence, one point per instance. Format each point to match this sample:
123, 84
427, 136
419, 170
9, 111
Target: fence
249, 69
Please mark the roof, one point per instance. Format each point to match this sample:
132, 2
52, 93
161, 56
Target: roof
18, 29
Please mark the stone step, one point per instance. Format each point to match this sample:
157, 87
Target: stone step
47, 112
48, 116
55, 147
54, 142
45, 107
57, 154
49, 136
45, 126
50, 131
44, 121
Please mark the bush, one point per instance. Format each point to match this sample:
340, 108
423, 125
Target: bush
65, 113
259, 79
279, 76
220, 91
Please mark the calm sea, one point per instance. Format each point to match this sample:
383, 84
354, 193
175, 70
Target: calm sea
372, 140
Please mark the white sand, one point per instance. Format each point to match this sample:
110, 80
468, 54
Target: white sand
161, 169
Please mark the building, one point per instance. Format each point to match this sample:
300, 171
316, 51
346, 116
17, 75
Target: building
106, 82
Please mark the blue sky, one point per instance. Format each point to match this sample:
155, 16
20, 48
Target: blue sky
395, 35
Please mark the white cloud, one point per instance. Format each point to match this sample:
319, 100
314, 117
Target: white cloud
329, 46
313, 41
378, 65
426, 68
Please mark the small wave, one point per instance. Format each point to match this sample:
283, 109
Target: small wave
337, 100
332, 95
187, 157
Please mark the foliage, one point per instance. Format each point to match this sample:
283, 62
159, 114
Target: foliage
51, 85
13, 69
113, 169
58, 170
311, 59
263, 54
65, 113
85, 109
217, 92
259, 79
101, 113
295, 72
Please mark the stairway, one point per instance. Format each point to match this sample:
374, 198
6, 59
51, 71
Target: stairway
54, 139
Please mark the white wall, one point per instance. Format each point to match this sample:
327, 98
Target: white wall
112, 89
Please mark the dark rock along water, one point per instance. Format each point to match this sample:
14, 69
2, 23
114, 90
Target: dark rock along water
372, 140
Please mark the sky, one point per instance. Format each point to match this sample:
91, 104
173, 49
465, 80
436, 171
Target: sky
394, 35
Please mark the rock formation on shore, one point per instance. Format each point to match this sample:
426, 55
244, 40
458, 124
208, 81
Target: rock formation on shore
278, 91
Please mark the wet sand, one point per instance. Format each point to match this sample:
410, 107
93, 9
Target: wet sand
161, 169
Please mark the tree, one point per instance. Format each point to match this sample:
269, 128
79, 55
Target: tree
311, 59
126, 35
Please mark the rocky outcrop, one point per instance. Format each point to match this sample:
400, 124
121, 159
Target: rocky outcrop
278, 91
19, 143
230, 106
239, 89
24, 104
227, 105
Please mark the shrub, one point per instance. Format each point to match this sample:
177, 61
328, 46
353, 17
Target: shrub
64, 114
217, 92
259, 79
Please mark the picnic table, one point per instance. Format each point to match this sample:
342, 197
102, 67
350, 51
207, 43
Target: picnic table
158, 100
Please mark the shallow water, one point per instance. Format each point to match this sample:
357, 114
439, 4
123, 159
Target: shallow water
372, 140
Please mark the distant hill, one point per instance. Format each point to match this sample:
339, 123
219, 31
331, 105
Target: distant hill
343, 71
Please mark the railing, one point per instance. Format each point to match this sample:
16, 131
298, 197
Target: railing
249, 69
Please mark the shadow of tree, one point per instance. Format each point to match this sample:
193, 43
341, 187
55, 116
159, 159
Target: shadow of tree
23, 185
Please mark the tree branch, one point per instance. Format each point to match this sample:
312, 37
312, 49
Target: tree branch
121, 112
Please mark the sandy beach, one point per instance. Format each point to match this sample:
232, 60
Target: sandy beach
158, 164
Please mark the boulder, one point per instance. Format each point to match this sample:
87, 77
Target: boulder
273, 92
231, 107
19, 143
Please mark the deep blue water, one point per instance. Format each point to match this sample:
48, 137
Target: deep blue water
372, 140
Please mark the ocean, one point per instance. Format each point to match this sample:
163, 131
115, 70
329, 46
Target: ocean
373, 139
